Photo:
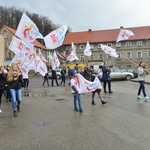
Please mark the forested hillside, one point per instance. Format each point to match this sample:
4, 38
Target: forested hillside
11, 16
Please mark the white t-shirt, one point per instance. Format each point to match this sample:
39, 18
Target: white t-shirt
74, 82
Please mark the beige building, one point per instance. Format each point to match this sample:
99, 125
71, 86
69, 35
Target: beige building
5, 40
1, 49
131, 52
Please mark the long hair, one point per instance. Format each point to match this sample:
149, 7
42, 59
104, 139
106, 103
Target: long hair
140, 65
10, 73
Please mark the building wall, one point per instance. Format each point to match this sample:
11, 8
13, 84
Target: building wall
8, 54
123, 61
1, 50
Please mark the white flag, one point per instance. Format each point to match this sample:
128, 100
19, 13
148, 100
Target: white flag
42, 57
88, 86
124, 35
27, 30
56, 60
18, 59
56, 37
72, 56
87, 50
109, 51
18, 46
41, 66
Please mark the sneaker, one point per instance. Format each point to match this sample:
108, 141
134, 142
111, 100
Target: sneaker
93, 103
81, 110
139, 97
110, 92
103, 102
76, 109
146, 98
0, 111
18, 108
15, 113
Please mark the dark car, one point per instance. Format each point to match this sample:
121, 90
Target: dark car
130, 70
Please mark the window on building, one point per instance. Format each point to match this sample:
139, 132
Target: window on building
5, 36
8, 44
92, 46
139, 54
82, 57
75, 47
119, 56
139, 43
67, 48
148, 42
9, 55
99, 46
148, 53
109, 44
128, 66
91, 57
129, 43
100, 56
82, 47
128, 55
108, 56
118, 44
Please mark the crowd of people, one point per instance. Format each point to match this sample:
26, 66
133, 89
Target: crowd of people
10, 85
11, 80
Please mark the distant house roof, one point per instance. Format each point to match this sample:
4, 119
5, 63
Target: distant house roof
110, 35
35, 43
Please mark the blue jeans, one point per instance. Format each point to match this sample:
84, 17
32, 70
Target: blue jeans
77, 97
16, 97
142, 87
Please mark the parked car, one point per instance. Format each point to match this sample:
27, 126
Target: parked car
57, 72
119, 74
130, 70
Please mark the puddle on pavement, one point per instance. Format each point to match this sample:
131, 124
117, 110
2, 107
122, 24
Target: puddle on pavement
60, 99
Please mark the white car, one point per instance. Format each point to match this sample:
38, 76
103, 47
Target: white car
57, 73
119, 74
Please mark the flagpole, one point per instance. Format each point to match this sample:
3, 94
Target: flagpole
129, 60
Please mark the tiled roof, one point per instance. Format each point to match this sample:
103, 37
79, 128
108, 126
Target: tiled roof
78, 37
35, 43
110, 35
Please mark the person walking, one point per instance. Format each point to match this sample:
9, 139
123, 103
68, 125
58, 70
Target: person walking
54, 77
75, 92
63, 76
106, 77
87, 72
141, 77
15, 78
98, 90
26, 81
46, 79
2, 82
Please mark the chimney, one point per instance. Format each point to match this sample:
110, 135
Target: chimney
121, 27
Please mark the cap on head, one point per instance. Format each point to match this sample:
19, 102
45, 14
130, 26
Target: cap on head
72, 72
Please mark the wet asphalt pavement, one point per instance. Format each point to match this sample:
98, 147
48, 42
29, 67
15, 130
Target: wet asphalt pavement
47, 120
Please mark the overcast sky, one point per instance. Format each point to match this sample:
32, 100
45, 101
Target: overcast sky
82, 15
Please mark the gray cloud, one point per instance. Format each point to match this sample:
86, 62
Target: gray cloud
81, 15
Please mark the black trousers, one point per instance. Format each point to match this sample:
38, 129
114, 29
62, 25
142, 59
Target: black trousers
26, 82
109, 85
54, 78
1, 92
63, 79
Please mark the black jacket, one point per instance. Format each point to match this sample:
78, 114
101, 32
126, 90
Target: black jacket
16, 84
2, 81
